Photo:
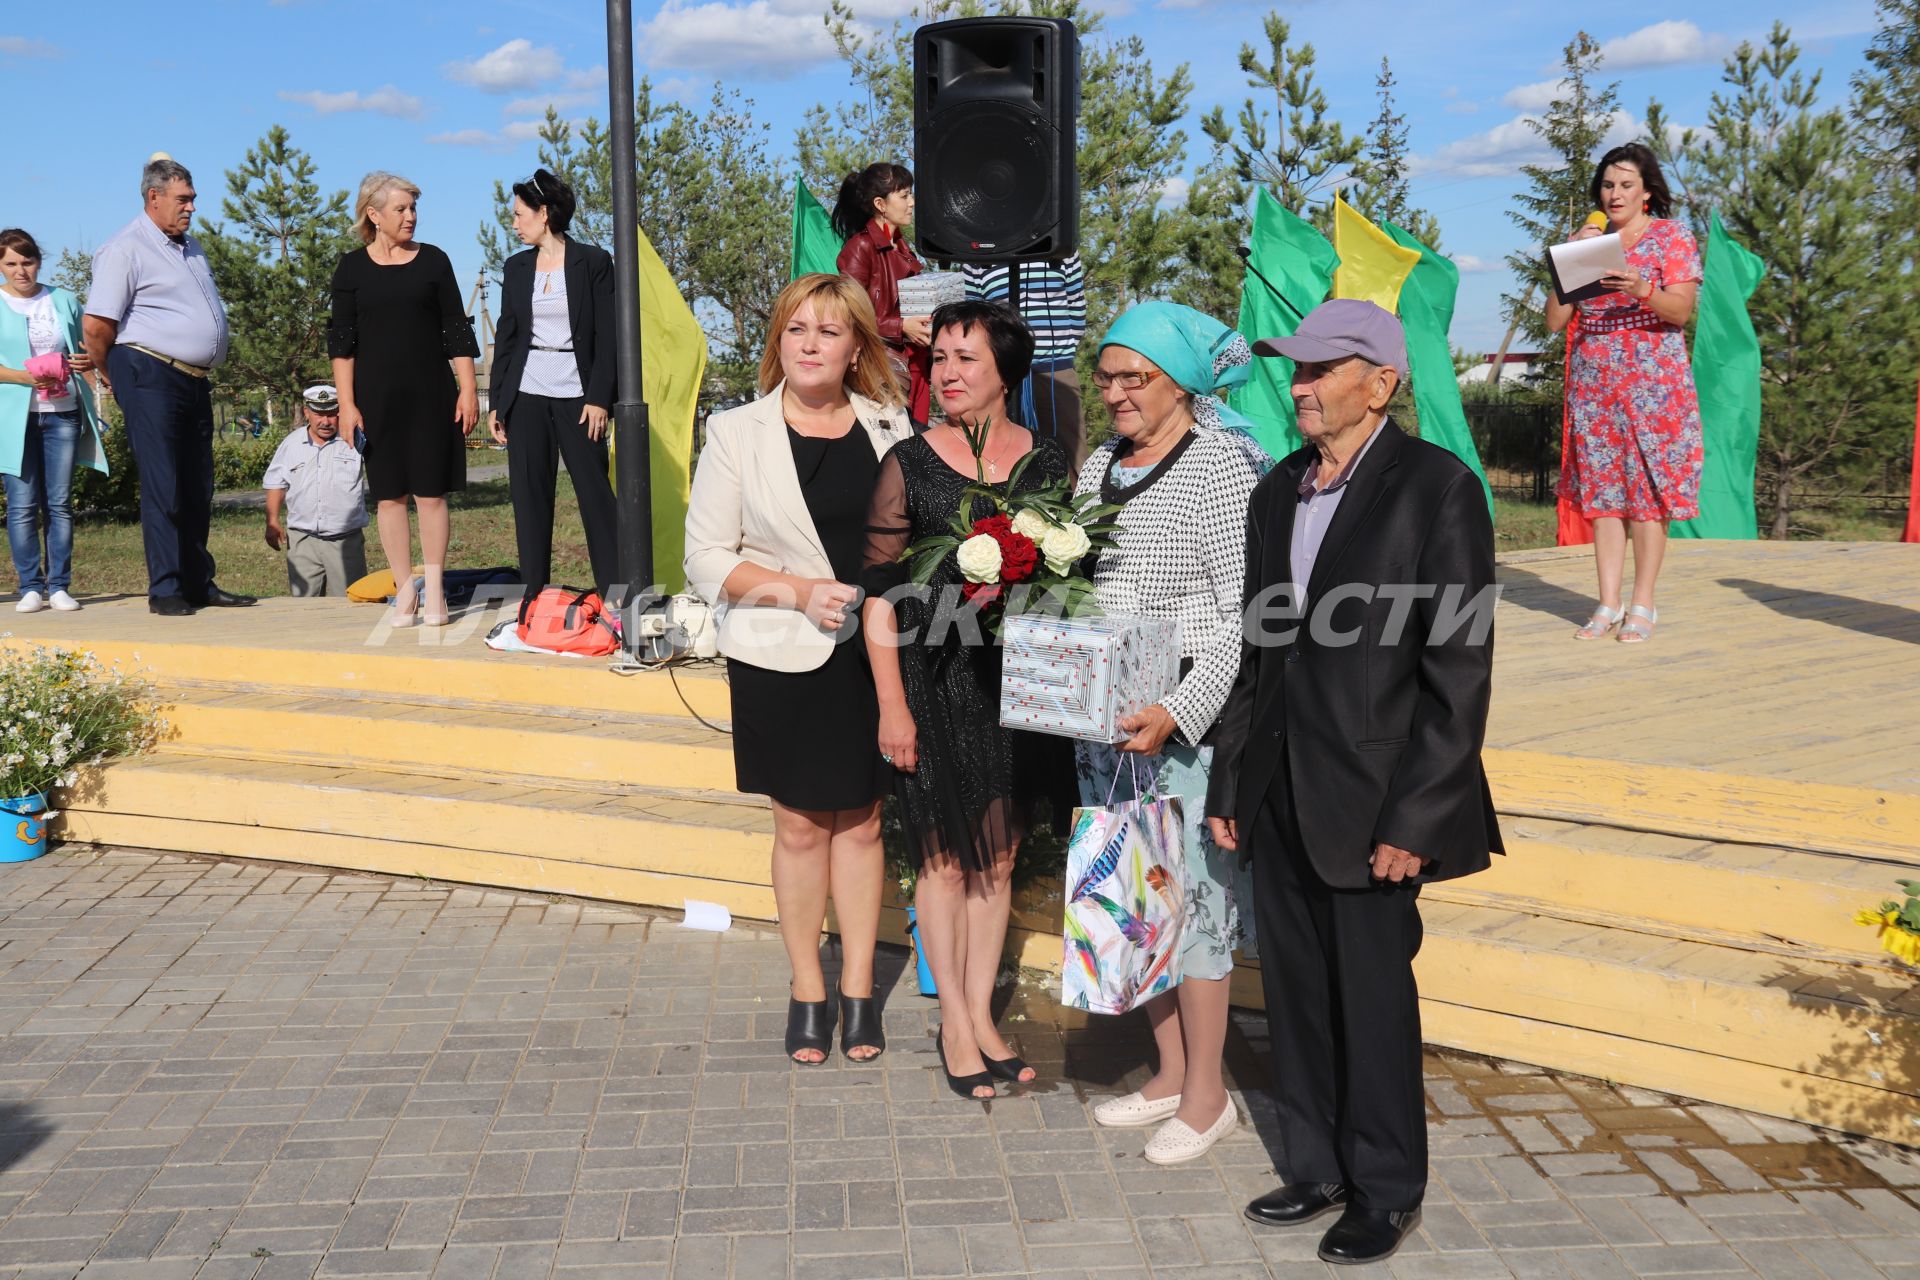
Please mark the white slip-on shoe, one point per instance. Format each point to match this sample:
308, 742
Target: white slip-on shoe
31, 602
1177, 1143
1135, 1111
64, 602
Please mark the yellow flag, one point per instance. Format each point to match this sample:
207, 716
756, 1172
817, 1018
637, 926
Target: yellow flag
1372, 267
673, 353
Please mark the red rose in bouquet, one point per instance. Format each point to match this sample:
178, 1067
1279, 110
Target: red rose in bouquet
1018, 554
984, 594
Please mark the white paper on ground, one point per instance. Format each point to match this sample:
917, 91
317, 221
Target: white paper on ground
710, 916
1579, 265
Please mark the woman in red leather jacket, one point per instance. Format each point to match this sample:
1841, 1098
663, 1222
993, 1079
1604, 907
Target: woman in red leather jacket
874, 209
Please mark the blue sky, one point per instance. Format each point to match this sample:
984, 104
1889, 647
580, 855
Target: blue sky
448, 93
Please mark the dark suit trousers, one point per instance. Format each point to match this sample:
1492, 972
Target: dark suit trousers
1344, 1019
540, 432
169, 416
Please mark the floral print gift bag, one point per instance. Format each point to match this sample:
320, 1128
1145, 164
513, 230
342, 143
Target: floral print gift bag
1126, 904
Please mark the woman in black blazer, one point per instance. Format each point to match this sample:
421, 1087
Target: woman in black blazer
552, 380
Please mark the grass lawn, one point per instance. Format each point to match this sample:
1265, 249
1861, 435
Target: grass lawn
107, 555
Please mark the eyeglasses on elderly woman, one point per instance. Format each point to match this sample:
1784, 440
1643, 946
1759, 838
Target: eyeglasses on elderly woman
1126, 379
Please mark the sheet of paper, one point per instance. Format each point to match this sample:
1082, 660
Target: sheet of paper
710, 916
1580, 265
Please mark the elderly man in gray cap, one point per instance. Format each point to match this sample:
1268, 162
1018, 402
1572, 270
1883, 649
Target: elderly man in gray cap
1347, 764
317, 479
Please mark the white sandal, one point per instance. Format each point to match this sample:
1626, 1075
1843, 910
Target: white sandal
1135, 1111
1633, 631
1177, 1143
1602, 621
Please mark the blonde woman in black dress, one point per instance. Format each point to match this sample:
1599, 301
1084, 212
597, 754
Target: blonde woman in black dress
776, 528
397, 324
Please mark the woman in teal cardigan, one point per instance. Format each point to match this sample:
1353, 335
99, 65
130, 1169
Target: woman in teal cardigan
46, 424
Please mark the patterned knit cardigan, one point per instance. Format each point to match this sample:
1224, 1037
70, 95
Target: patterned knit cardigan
1181, 554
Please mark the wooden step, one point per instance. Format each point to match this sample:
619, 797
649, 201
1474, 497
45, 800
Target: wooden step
1871, 822
1832, 1044
1788, 901
572, 748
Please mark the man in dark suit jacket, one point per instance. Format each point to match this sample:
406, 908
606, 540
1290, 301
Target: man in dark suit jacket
1347, 764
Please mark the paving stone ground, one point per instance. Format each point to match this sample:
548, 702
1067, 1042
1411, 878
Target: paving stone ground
232, 1071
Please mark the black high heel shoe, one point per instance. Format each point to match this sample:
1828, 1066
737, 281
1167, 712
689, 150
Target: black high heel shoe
1008, 1069
860, 1027
962, 1085
809, 1026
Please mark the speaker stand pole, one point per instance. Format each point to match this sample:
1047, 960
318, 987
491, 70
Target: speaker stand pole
633, 451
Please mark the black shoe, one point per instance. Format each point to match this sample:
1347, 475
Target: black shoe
962, 1085
1007, 1069
1367, 1235
860, 1027
218, 599
1297, 1202
169, 606
809, 1026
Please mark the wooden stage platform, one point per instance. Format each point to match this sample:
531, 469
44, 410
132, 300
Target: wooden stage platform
1692, 822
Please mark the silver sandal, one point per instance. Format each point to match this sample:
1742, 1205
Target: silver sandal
1602, 621
1633, 631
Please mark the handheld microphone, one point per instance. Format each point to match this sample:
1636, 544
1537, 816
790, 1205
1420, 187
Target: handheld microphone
1597, 220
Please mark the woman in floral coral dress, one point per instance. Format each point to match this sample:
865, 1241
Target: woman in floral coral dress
1635, 457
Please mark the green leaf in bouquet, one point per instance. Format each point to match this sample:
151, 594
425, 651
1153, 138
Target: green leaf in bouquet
1020, 468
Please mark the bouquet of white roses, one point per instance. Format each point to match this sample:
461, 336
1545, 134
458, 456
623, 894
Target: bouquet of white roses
63, 710
1029, 554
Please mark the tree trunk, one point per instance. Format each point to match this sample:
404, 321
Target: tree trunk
1782, 508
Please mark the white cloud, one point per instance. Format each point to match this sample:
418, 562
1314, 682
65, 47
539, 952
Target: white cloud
509, 136
587, 88
1533, 97
1664, 44
26, 47
1174, 190
761, 34
1505, 147
1472, 265
515, 65
384, 101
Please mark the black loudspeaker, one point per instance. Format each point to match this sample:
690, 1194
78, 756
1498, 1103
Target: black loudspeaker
996, 109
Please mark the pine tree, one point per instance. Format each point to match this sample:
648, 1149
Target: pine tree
1795, 184
1297, 152
1558, 198
1384, 174
273, 260
1889, 92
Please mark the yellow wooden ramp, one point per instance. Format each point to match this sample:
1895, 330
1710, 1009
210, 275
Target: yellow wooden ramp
1691, 825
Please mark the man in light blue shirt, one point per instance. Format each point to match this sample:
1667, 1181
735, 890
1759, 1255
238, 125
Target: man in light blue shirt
317, 479
155, 323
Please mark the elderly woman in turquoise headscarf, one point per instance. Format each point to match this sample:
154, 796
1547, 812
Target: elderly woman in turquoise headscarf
1182, 465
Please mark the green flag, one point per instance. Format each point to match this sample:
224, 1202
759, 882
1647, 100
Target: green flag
1297, 264
816, 247
1426, 312
1726, 371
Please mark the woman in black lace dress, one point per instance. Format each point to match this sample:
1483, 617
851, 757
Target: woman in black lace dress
965, 785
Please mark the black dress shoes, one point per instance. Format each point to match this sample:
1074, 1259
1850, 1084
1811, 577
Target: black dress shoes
1297, 1202
169, 606
1367, 1235
218, 599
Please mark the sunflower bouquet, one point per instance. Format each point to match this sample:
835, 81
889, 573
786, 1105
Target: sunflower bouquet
1898, 924
1027, 554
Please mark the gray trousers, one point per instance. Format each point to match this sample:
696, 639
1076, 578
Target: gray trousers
321, 566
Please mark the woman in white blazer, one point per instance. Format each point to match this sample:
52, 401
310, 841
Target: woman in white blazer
776, 531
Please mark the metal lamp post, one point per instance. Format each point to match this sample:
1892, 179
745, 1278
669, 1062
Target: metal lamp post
633, 460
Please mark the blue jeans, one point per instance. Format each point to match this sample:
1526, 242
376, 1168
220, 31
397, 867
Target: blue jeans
45, 484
